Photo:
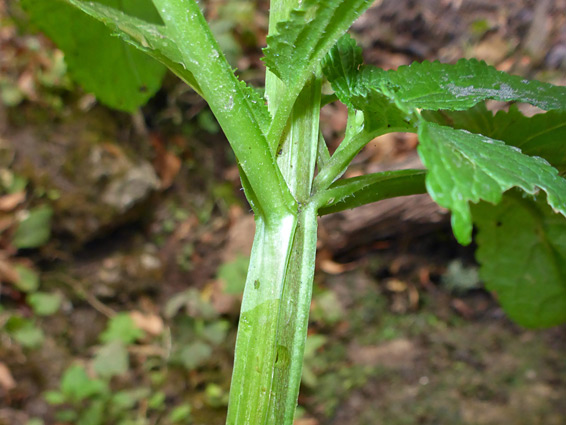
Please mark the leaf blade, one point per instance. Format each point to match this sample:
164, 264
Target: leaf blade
522, 254
434, 85
301, 41
119, 75
341, 65
466, 167
541, 135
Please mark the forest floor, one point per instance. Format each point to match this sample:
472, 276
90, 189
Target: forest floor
128, 311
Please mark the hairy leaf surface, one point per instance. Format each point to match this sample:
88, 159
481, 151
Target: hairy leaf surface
301, 41
341, 66
541, 135
146, 36
434, 85
119, 75
153, 39
352, 83
522, 252
466, 167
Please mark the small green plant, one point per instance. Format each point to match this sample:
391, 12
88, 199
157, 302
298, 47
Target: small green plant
85, 400
502, 172
86, 394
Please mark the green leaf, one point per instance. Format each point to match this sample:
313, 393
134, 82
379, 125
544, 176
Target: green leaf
77, 386
180, 413
28, 280
126, 399
45, 303
466, 167
216, 332
234, 273
301, 41
111, 359
257, 106
353, 192
121, 327
434, 85
94, 414
141, 34
29, 335
522, 252
66, 416
341, 66
54, 397
193, 302
34, 230
381, 114
195, 354
541, 135
356, 87
157, 401
119, 75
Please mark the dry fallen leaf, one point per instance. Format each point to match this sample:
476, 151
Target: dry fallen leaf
6, 379
151, 323
11, 201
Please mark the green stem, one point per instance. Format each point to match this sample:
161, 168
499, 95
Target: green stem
275, 309
273, 322
297, 155
348, 149
276, 304
227, 100
256, 346
293, 320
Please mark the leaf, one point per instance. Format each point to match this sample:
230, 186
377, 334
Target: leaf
54, 397
541, 135
77, 386
234, 273
94, 414
34, 230
154, 40
466, 167
195, 354
145, 36
257, 105
216, 332
194, 304
127, 399
44, 303
111, 359
381, 114
29, 336
157, 401
353, 192
434, 85
28, 279
122, 328
180, 413
119, 75
522, 252
25, 332
356, 87
294, 52
341, 66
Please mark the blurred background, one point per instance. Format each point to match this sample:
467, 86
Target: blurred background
124, 242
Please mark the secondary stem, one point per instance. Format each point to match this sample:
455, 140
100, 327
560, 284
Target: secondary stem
227, 100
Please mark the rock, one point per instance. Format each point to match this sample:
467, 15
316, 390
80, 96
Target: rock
96, 183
